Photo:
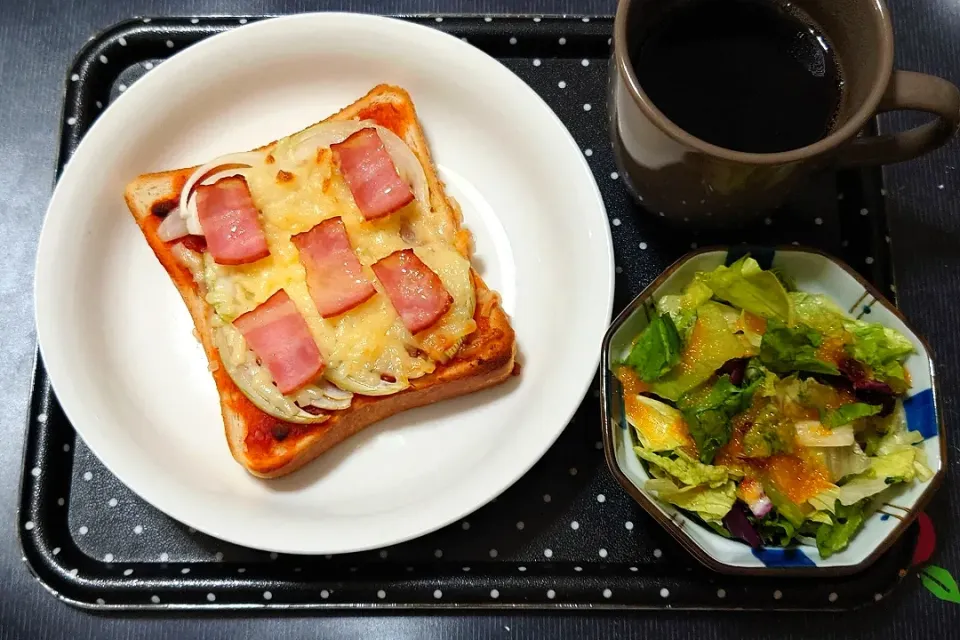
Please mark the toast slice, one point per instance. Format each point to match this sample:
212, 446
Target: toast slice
267, 446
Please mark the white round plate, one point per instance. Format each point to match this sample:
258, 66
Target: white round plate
117, 340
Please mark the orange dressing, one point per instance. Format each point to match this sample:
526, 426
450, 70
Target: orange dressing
752, 323
796, 475
833, 350
797, 478
694, 349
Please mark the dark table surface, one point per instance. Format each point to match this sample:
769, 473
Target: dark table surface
38, 41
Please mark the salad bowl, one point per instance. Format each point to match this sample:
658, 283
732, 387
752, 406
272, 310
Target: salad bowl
885, 516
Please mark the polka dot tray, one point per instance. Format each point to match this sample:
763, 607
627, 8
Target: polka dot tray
564, 536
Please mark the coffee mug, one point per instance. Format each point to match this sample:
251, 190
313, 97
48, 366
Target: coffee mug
685, 178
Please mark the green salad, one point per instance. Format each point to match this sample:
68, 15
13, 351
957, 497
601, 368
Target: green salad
767, 412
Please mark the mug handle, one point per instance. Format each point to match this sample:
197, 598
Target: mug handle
908, 90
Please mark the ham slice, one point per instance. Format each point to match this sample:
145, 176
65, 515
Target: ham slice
415, 291
334, 275
231, 222
371, 175
279, 336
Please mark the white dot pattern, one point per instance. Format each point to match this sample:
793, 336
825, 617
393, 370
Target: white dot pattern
601, 162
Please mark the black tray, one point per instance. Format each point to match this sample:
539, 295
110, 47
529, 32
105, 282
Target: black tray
95, 544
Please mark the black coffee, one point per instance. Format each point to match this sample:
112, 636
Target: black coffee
749, 75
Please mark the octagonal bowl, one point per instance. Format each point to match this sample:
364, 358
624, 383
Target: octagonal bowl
891, 513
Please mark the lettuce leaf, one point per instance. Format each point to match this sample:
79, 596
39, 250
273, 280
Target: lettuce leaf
784, 505
819, 312
825, 501
885, 470
835, 537
687, 470
745, 285
657, 349
848, 413
841, 462
786, 349
682, 308
708, 414
659, 427
894, 467
711, 344
710, 503
770, 433
882, 349
859, 488
821, 517
776, 530
765, 380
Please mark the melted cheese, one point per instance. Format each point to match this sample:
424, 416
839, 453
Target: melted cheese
367, 349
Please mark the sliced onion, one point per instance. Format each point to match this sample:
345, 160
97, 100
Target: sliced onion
192, 260
761, 507
350, 383
811, 433
172, 227
336, 393
202, 175
329, 133
323, 135
318, 396
408, 166
249, 378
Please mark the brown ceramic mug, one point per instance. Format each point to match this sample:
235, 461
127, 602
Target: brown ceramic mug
682, 177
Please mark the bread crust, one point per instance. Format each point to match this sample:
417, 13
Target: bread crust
268, 447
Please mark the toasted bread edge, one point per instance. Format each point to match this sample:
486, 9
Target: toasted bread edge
486, 358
